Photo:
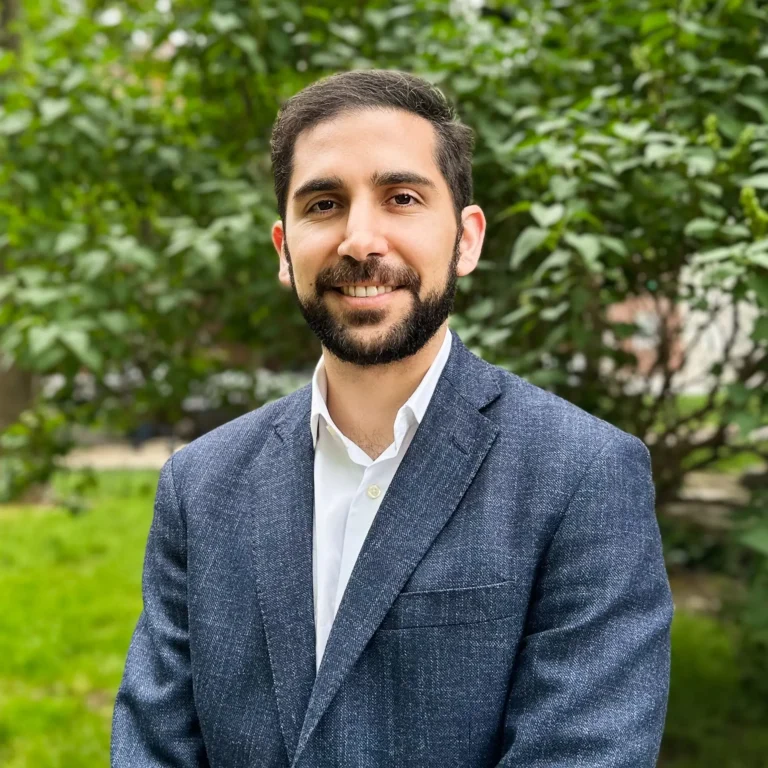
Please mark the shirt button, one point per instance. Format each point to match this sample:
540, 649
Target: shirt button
374, 491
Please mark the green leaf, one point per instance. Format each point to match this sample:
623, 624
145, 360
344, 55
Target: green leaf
615, 245
719, 254
495, 336
735, 231
553, 313
760, 329
759, 246
41, 339
53, 109
15, 122
114, 321
518, 314
562, 187
626, 165
653, 21
27, 180
756, 104
7, 286
605, 180
588, 246
170, 155
558, 258
525, 113
91, 264
701, 228
86, 126
210, 250
756, 539
250, 47
657, 152
550, 126
605, 91
224, 22
76, 77
760, 181
38, 296
523, 205
128, 251
631, 132
79, 343
528, 241
166, 303
758, 259
759, 284
700, 160
746, 422
547, 216
594, 158
69, 240
348, 32
481, 310
709, 188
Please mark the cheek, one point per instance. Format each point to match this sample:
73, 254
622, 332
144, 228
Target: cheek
312, 252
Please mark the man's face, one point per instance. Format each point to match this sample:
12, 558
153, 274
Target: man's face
369, 211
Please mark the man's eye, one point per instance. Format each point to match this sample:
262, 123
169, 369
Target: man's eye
399, 199
322, 206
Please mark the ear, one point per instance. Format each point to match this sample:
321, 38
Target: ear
278, 240
471, 243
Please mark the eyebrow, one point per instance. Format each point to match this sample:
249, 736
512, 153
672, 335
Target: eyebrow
378, 179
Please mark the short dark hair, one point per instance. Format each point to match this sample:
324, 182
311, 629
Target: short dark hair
370, 89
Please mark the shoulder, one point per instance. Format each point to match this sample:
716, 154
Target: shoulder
230, 447
547, 423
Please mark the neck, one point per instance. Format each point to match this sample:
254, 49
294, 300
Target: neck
363, 401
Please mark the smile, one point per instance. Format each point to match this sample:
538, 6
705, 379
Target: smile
366, 296
362, 291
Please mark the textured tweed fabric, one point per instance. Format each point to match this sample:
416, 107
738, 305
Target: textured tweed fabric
509, 607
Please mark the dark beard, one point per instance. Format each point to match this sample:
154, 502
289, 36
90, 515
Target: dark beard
404, 339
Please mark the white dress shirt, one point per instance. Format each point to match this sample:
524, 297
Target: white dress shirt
349, 487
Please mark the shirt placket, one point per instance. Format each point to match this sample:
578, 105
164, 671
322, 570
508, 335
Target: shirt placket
362, 511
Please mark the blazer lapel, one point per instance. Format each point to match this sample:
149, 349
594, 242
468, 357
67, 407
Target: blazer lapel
282, 478
443, 458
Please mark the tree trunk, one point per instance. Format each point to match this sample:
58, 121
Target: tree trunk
17, 387
17, 390
9, 12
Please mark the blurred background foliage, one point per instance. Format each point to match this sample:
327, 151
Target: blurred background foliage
621, 160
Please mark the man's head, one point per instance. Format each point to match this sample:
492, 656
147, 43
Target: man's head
373, 182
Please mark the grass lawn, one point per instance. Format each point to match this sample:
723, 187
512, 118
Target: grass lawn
69, 599
70, 596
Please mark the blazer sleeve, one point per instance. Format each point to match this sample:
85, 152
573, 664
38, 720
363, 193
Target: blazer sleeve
155, 723
591, 679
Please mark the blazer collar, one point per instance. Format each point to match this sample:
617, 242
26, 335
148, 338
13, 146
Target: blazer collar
474, 379
441, 462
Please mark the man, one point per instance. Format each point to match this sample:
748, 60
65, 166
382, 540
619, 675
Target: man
418, 559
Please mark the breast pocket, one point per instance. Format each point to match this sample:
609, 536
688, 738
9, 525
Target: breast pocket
450, 607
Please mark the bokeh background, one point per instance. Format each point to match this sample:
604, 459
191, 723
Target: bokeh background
622, 162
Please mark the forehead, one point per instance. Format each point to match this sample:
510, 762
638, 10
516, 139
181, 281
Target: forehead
354, 145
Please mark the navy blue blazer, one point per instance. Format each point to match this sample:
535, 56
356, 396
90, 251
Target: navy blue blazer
509, 607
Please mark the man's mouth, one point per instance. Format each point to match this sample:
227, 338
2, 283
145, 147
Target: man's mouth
362, 291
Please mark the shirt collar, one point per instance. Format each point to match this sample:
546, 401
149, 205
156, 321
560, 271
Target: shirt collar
412, 410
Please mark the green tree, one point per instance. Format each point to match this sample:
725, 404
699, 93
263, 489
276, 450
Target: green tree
620, 158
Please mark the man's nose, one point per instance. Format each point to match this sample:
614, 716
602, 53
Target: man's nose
363, 236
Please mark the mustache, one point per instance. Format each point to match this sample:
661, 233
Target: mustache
351, 271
